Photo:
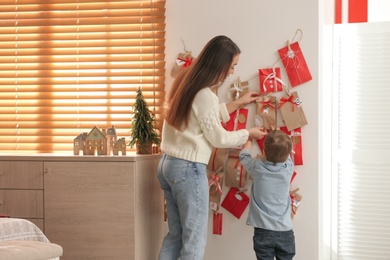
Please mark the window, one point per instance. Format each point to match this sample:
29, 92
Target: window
69, 65
360, 169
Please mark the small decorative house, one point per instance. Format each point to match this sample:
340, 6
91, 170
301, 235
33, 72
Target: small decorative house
79, 147
98, 142
120, 147
111, 139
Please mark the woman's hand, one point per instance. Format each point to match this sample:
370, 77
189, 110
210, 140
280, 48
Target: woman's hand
257, 133
249, 97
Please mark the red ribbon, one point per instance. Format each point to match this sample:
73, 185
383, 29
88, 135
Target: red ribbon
266, 103
215, 180
238, 164
187, 62
284, 100
292, 197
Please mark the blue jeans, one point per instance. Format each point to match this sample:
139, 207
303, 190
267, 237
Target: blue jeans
186, 191
269, 244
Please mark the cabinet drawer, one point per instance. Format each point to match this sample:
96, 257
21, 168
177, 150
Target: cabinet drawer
21, 175
22, 203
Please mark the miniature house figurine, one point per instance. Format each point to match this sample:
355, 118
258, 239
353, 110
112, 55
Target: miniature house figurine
111, 139
98, 142
79, 147
120, 147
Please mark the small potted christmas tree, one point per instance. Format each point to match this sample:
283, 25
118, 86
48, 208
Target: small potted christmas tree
143, 133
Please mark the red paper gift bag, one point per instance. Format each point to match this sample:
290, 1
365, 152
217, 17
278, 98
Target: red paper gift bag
235, 202
296, 140
217, 223
270, 80
295, 64
237, 120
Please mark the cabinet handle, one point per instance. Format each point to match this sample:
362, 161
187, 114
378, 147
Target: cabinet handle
1, 203
45, 170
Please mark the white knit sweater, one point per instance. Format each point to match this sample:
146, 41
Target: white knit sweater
204, 131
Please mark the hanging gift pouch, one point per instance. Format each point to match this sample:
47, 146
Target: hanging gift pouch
290, 107
217, 223
235, 173
266, 108
296, 140
235, 202
215, 188
182, 61
217, 159
239, 88
270, 80
237, 120
295, 201
294, 62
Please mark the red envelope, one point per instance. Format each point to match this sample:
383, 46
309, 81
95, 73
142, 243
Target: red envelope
296, 139
295, 64
235, 202
237, 120
217, 223
270, 80
260, 142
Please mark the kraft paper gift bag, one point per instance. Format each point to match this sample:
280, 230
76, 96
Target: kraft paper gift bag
183, 61
235, 173
295, 64
295, 201
266, 112
237, 120
217, 159
239, 88
270, 80
235, 202
217, 223
296, 139
290, 107
215, 188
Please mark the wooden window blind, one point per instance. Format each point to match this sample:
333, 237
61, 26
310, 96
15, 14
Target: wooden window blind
69, 65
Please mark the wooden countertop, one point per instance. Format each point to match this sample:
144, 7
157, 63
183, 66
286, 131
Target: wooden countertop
132, 157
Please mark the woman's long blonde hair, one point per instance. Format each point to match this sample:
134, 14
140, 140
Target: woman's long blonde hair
209, 68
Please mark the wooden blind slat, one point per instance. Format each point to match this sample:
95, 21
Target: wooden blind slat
67, 66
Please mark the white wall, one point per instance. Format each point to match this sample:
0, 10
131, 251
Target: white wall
259, 28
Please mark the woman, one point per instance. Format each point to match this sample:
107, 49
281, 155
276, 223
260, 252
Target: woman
192, 127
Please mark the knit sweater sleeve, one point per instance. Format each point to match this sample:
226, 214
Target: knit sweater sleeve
208, 112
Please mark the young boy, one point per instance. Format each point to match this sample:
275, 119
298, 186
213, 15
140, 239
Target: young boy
270, 203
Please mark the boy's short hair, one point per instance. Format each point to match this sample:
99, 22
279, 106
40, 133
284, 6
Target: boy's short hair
277, 146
